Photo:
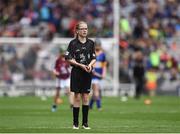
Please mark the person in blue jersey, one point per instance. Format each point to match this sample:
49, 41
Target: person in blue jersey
99, 72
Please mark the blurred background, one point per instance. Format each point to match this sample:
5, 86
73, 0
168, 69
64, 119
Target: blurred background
143, 46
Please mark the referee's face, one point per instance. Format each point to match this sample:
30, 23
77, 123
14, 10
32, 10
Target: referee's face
83, 30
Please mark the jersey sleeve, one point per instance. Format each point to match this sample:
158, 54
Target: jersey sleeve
93, 54
104, 57
69, 53
56, 64
104, 60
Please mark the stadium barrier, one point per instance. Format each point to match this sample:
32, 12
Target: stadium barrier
47, 88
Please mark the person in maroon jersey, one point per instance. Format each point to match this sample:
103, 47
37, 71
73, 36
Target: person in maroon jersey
62, 73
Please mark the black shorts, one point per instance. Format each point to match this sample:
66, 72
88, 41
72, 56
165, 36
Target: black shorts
80, 81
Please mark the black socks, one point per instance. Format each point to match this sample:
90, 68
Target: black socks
85, 109
76, 116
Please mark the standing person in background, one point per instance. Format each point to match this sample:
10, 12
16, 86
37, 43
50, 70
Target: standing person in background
81, 55
151, 77
99, 72
138, 73
62, 73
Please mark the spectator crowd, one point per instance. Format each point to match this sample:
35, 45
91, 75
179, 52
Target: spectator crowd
150, 27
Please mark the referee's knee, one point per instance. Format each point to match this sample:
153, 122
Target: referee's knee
77, 99
85, 100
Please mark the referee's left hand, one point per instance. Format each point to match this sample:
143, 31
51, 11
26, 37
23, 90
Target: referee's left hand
89, 68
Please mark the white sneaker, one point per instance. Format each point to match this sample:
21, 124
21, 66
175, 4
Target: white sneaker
85, 126
75, 127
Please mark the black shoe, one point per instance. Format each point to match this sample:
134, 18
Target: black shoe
85, 126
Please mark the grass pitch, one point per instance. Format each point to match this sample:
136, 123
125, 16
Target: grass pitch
32, 115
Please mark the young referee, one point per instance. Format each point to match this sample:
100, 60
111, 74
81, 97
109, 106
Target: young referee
81, 55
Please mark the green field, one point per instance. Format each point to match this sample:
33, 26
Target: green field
32, 115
